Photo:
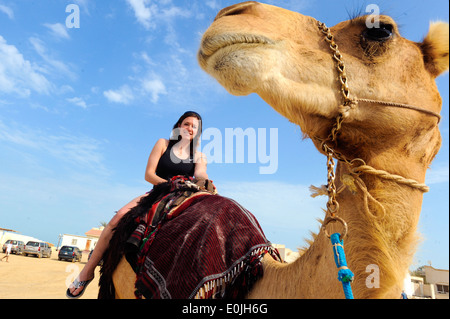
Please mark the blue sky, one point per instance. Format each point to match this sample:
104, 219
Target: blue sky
81, 108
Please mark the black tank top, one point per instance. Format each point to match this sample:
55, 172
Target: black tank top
170, 165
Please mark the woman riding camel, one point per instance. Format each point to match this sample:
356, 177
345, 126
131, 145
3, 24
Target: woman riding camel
168, 158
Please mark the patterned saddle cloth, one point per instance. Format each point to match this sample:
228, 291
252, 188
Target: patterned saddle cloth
195, 243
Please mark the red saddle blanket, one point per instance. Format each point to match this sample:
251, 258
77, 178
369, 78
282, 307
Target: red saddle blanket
207, 247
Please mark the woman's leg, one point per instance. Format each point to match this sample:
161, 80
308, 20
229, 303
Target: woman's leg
103, 242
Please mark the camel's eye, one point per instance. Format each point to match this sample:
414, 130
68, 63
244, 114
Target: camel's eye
380, 34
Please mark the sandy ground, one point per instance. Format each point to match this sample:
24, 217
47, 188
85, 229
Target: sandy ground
41, 278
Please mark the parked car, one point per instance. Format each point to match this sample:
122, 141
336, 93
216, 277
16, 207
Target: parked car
39, 249
17, 246
71, 253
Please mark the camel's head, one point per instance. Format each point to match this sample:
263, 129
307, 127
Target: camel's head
282, 56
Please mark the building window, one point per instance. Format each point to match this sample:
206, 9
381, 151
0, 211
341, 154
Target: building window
442, 289
74, 242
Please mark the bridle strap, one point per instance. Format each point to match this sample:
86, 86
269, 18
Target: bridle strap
348, 101
401, 105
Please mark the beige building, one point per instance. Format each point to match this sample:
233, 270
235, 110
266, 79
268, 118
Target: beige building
86, 242
286, 254
428, 282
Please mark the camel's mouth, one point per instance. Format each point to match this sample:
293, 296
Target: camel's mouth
211, 45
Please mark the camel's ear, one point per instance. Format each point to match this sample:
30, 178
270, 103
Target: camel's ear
435, 48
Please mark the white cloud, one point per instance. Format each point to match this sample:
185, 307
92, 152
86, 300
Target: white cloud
7, 10
78, 102
144, 87
148, 14
142, 12
18, 75
84, 4
213, 4
154, 87
54, 66
123, 95
174, 78
58, 30
173, 12
146, 58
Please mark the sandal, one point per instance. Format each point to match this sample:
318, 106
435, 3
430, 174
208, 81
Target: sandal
78, 284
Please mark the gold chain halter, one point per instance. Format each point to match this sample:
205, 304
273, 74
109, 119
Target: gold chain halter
347, 104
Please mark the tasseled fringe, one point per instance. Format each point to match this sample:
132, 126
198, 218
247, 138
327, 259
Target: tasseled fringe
217, 288
318, 191
347, 181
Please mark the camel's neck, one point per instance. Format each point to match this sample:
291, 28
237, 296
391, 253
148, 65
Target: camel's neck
379, 246
382, 233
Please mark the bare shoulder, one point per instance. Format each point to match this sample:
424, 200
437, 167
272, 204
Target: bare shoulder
162, 142
160, 146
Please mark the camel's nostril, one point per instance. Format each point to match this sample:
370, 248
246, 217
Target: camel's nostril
235, 9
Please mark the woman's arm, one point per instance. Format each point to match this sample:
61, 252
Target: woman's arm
200, 166
156, 153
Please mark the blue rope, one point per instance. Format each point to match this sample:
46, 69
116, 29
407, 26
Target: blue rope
344, 274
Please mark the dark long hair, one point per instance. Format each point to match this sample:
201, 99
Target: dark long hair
176, 136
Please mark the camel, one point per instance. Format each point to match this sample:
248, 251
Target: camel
366, 97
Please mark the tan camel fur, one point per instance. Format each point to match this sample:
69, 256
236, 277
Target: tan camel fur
282, 56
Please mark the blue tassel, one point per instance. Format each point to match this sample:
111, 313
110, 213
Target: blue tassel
344, 274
